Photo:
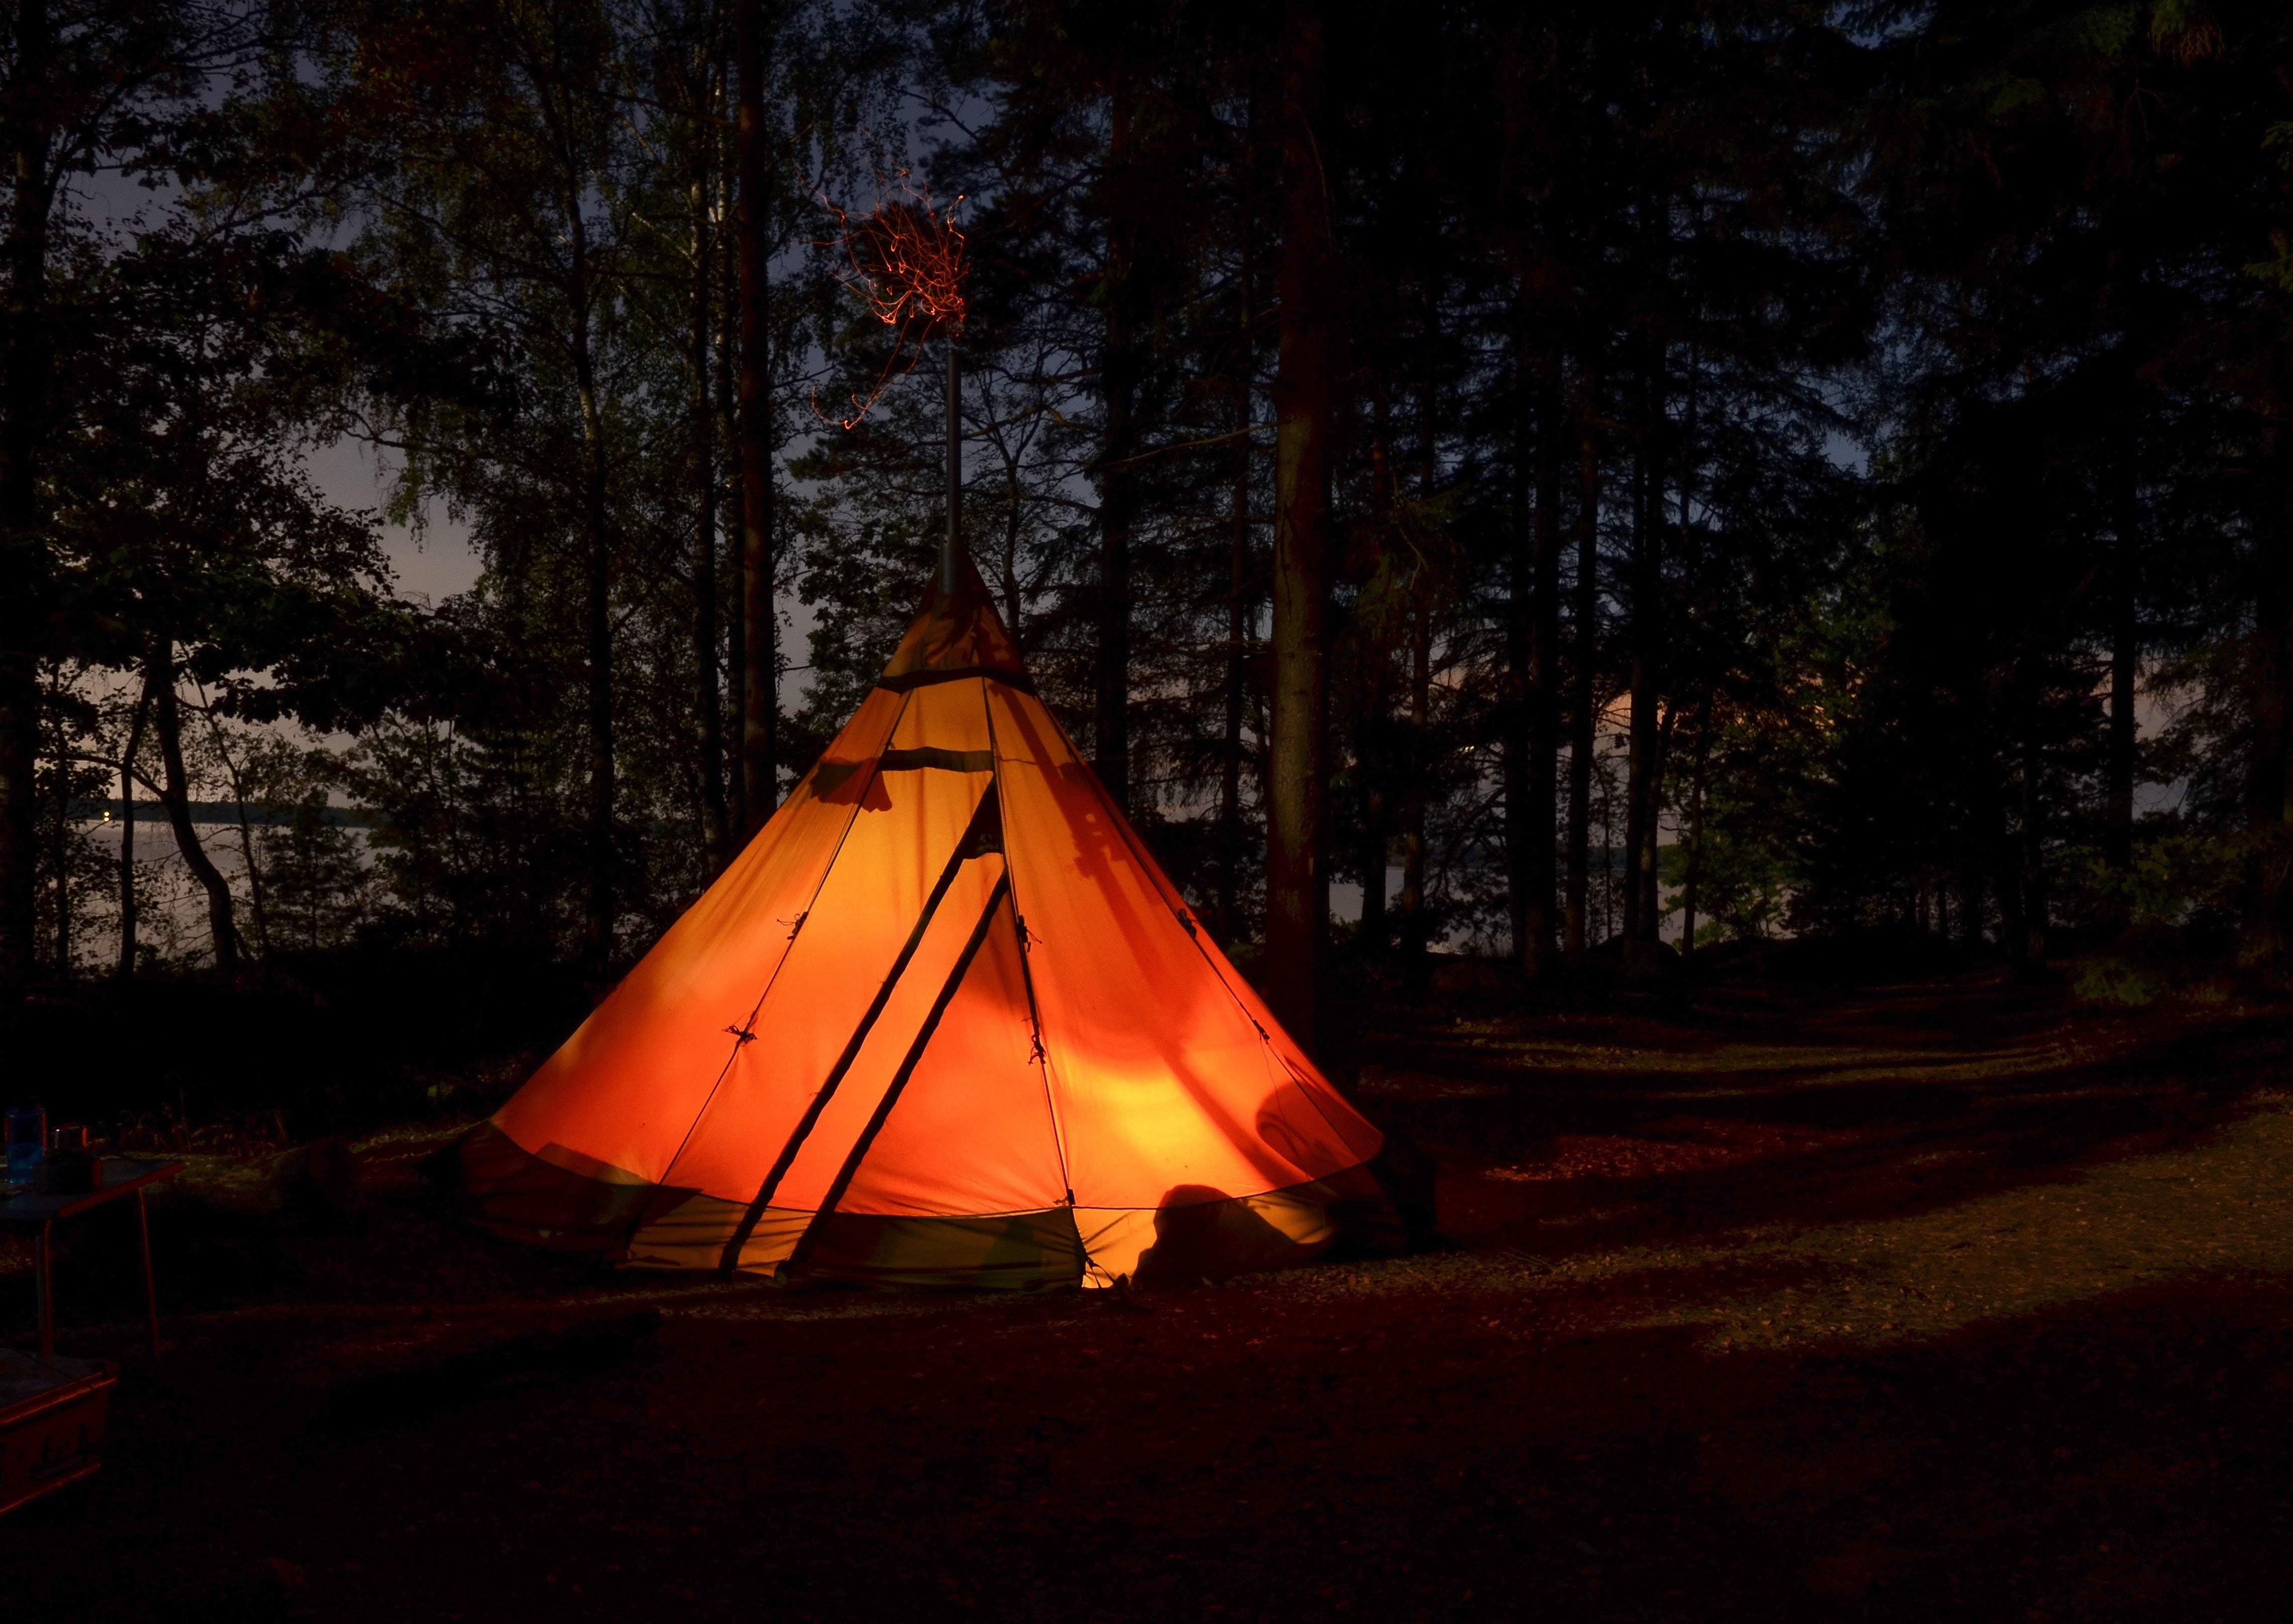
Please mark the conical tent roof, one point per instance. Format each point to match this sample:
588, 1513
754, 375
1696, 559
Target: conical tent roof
943, 1021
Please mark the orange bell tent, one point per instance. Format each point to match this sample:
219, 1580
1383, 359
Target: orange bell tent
944, 1022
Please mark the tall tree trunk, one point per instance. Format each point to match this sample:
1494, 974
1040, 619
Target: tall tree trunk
2268, 785
24, 377
127, 829
2034, 854
1692, 880
1972, 882
2124, 656
1375, 822
1652, 749
1373, 742
1521, 640
1118, 477
2269, 807
1643, 790
2005, 860
597, 607
1297, 883
1685, 452
176, 792
2124, 659
760, 706
1416, 932
1584, 716
1611, 923
59, 851
1651, 870
708, 699
1015, 505
597, 640
256, 904
1241, 609
1640, 703
733, 507
1238, 619
1544, 586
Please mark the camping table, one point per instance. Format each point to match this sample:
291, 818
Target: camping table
122, 1177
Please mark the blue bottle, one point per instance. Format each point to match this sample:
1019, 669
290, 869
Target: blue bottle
27, 1139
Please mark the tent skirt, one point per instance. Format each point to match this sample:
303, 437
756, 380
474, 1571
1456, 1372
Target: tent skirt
1195, 1233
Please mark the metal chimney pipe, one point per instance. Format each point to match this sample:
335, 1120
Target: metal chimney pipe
950, 549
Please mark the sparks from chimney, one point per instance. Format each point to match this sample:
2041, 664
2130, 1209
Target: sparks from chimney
907, 259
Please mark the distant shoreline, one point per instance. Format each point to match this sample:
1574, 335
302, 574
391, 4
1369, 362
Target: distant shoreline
228, 812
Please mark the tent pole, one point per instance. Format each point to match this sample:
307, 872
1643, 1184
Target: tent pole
950, 548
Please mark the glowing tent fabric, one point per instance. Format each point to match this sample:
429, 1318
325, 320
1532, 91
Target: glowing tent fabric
943, 1022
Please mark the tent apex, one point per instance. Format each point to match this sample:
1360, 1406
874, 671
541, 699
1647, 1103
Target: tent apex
957, 631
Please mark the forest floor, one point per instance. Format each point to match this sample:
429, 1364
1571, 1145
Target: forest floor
1936, 1299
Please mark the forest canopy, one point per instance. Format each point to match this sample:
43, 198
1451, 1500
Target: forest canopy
1634, 474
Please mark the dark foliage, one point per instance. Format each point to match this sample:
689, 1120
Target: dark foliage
1792, 468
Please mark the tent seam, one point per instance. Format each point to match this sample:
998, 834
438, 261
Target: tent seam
1043, 1055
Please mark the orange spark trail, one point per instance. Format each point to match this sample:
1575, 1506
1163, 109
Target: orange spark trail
907, 259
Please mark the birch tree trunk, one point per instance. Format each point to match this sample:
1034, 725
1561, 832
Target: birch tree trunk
176, 792
127, 829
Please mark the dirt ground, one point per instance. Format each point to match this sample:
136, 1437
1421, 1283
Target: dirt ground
1937, 1300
